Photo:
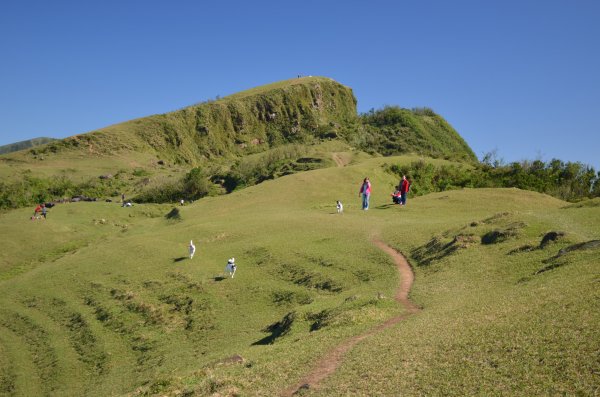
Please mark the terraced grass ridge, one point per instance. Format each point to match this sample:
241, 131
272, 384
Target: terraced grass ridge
102, 300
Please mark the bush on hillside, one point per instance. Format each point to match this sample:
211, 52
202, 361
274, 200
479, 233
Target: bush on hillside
248, 171
195, 184
161, 190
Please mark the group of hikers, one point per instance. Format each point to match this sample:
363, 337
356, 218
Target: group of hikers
398, 197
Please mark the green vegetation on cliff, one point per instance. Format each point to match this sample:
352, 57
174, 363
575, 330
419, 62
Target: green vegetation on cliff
393, 130
292, 111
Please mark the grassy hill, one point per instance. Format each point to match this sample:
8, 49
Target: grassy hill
236, 141
14, 147
102, 300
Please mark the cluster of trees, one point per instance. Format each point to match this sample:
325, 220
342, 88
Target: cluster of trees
570, 181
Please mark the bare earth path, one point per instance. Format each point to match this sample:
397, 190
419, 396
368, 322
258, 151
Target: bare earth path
338, 160
332, 360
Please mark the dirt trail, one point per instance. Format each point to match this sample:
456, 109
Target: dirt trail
338, 160
332, 360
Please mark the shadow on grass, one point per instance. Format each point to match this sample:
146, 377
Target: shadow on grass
179, 259
277, 330
219, 278
384, 206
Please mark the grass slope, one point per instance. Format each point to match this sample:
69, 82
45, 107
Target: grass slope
101, 300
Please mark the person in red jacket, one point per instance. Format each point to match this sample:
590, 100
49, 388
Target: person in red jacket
404, 188
36, 212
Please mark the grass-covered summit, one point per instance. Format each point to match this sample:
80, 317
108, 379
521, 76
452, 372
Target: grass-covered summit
302, 110
290, 111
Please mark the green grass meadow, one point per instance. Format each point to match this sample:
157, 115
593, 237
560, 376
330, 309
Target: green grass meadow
102, 300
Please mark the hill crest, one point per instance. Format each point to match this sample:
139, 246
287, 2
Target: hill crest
303, 110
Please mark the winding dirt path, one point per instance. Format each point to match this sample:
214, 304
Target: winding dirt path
332, 360
338, 160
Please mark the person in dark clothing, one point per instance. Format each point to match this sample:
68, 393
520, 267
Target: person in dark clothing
396, 195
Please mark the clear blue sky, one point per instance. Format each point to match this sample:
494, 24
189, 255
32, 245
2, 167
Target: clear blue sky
522, 77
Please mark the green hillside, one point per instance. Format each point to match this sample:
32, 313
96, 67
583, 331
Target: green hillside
236, 141
102, 300
14, 147
393, 130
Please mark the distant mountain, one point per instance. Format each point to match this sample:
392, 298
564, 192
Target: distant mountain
14, 147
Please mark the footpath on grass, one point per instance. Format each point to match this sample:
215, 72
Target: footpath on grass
332, 360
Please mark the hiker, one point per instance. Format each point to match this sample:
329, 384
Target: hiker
396, 196
192, 249
123, 199
231, 267
404, 188
44, 211
181, 202
339, 206
365, 192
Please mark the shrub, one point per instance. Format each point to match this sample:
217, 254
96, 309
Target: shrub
567, 181
195, 184
249, 171
161, 190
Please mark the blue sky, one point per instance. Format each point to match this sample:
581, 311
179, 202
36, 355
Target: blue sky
519, 77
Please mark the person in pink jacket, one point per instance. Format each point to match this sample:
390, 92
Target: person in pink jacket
365, 192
